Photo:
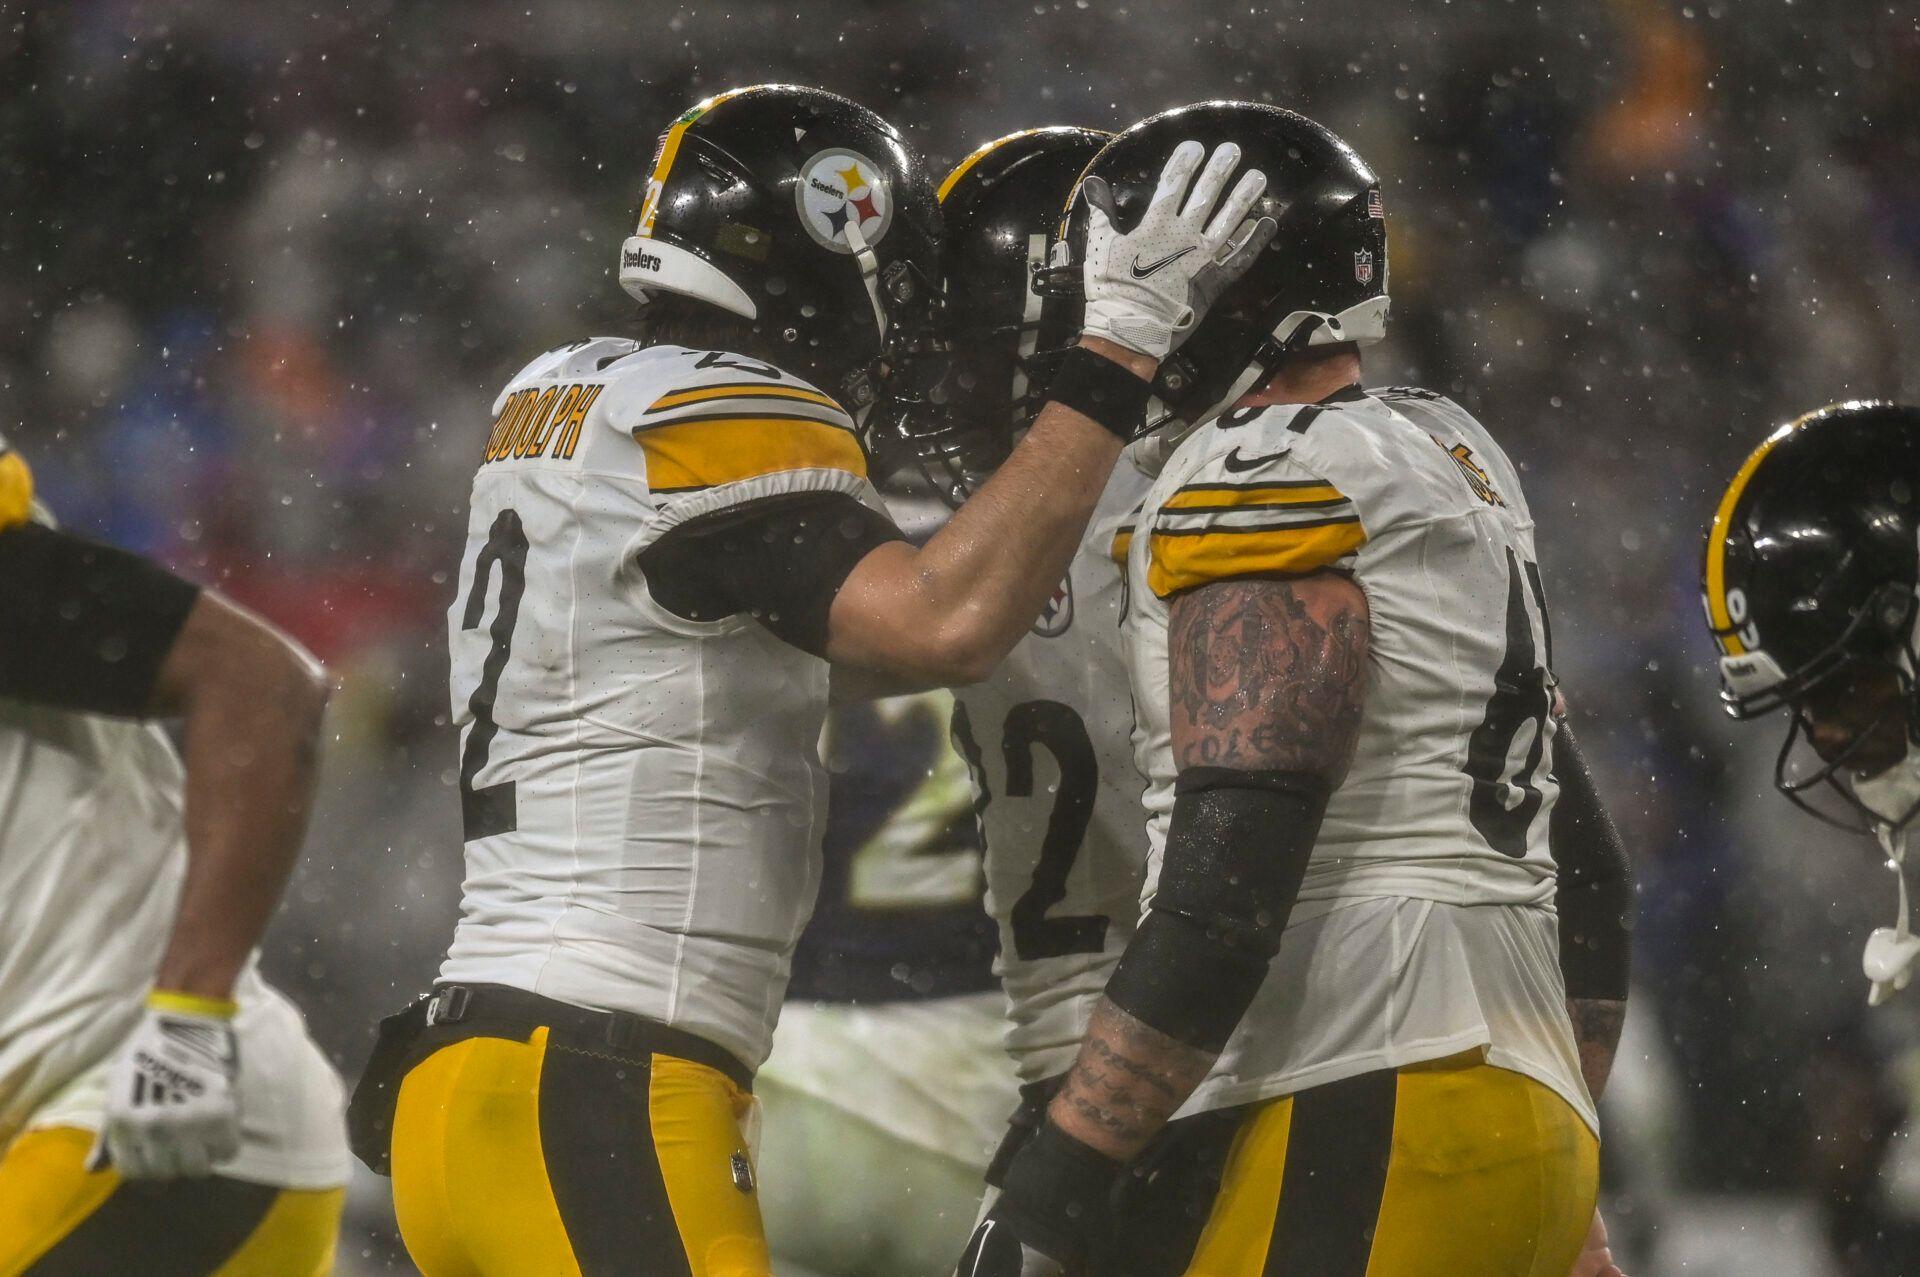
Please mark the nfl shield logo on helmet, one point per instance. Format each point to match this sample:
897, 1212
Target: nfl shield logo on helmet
1363, 266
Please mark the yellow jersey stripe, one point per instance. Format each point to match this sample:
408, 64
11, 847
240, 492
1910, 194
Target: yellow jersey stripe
700, 394
684, 455
16, 489
1715, 586
1182, 562
1122, 543
670, 150
1230, 496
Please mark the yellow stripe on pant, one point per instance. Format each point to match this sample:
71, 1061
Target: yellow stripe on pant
530, 1159
1440, 1169
56, 1217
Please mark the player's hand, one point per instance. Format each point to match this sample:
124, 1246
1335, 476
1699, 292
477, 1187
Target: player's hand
171, 1108
1147, 289
1596, 1259
997, 1250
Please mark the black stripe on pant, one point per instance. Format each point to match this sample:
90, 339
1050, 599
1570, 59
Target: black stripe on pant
1339, 1142
596, 1133
173, 1228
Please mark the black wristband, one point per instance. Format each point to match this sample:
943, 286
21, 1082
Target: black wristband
1098, 388
1056, 1191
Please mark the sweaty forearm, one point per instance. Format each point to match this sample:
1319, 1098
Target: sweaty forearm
252, 703
1596, 1031
950, 610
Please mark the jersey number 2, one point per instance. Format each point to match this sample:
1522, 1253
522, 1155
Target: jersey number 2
1502, 810
1059, 729
491, 809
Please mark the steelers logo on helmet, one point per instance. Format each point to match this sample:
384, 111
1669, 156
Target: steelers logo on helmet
838, 188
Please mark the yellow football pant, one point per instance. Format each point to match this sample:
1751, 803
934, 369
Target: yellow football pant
524, 1159
1437, 1170
58, 1219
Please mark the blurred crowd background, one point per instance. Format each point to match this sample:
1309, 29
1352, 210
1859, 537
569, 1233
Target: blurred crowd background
264, 266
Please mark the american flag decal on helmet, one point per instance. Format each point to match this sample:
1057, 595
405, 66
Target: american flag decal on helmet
1375, 208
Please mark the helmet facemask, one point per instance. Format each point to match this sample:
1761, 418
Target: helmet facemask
1883, 802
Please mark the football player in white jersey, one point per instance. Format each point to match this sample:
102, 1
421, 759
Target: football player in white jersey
137, 1039
1339, 652
669, 544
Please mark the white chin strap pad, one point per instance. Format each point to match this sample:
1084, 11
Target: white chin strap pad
1363, 325
1892, 953
653, 266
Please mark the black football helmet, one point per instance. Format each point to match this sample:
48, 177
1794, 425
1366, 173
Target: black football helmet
1323, 279
800, 211
1001, 206
1811, 566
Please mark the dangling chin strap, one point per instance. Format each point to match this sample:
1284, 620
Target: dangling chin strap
1892, 953
869, 274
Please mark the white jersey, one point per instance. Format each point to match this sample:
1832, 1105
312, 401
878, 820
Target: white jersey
92, 853
1047, 741
642, 793
1424, 925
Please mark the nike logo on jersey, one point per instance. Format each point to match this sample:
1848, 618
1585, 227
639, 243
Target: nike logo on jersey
1153, 268
1240, 465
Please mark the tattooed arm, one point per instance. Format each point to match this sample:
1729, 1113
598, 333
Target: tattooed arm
1596, 1030
1267, 678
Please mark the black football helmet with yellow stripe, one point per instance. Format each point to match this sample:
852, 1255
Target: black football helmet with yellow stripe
1323, 279
803, 213
1811, 568
1000, 205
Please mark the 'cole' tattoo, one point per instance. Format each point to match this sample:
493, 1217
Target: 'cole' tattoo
1269, 673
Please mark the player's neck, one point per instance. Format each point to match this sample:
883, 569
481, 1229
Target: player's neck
1307, 376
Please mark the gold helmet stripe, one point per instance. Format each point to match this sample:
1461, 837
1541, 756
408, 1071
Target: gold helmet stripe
16, 488
965, 166
670, 149
1716, 574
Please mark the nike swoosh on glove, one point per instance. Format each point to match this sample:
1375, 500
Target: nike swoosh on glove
171, 1108
1148, 288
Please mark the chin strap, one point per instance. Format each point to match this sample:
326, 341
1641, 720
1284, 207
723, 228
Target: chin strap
869, 274
1892, 953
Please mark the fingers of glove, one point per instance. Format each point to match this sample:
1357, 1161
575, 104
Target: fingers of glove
1174, 177
1099, 198
1213, 180
224, 1143
1234, 209
192, 1155
1242, 252
129, 1153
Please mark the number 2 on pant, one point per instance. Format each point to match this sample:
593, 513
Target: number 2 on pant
1502, 810
491, 809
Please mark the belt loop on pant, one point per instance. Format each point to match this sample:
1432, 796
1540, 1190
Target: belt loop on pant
448, 1005
623, 1030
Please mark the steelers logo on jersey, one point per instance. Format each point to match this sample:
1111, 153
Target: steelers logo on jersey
838, 188
1057, 616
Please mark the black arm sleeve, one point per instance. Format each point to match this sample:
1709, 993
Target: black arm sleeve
1596, 881
781, 560
84, 626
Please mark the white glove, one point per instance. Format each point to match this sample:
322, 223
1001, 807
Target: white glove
1148, 288
171, 1108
